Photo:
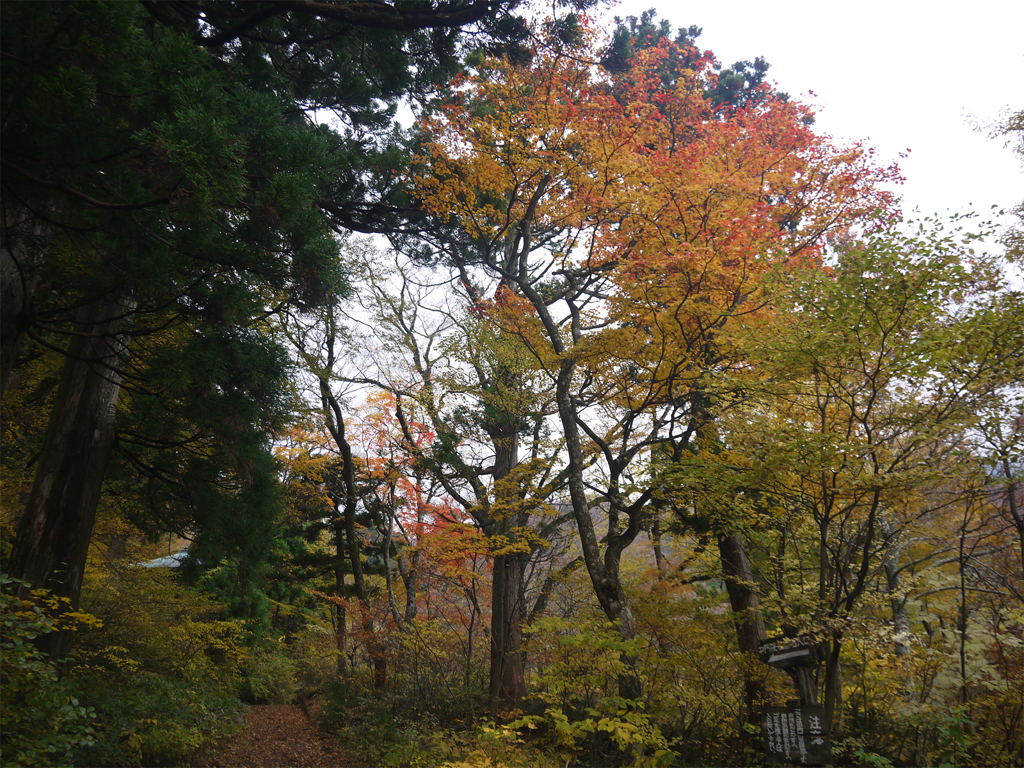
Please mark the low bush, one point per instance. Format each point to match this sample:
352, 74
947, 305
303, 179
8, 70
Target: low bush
42, 721
163, 673
270, 675
149, 719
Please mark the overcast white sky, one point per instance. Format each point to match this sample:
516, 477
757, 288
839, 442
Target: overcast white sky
902, 74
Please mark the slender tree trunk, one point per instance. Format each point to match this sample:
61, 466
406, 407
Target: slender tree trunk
389, 580
962, 613
359, 587
834, 687
1013, 502
341, 641
540, 605
469, 644
746, 611
894, 584
53, 537
659, 555
331, 410
341, 630
409, 565
604, 571
409, 570
898, 605
605, 579
20, 256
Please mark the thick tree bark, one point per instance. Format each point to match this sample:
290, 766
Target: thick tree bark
507, 676
746, 610
498, 630
53, 536
507, 679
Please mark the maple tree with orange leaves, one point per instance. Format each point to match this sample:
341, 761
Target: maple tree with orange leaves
626, 219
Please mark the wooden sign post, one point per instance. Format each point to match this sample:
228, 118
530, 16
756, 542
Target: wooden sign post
797, 657
797, 735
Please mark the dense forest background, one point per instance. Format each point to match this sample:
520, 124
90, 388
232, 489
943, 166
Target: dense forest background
508, 430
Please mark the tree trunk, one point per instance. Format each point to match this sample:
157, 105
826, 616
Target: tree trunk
20, 256
498, 632
834, 688
746, 611
341, 630
373, 645
513, 678
507, 679
1014, 496
331, 409
53, 537
659, 556
607, 586
604, 571
469, 644
409, 570
893, 586
898, 605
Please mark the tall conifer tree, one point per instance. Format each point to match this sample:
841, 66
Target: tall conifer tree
166, 184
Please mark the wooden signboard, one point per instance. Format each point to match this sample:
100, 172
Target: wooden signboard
788, 653
797, 735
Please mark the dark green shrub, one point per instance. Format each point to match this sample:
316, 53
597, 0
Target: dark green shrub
41, 719
149, 719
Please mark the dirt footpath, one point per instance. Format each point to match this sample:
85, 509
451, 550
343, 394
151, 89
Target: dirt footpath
278, 735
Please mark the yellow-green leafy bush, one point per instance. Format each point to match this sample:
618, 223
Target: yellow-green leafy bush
164, 671
42, 721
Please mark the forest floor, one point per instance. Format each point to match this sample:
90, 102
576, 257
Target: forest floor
280, 735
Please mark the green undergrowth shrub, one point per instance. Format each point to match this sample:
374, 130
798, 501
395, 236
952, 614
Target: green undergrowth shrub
931, 706
163, 672
430, 693
270, 675
372, 722
428, 670
42, 721
692, 671
586, 718
576, 718
149, 719
681, 661
388, 735
315, 652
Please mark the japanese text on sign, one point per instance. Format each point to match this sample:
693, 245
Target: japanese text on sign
797, 735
